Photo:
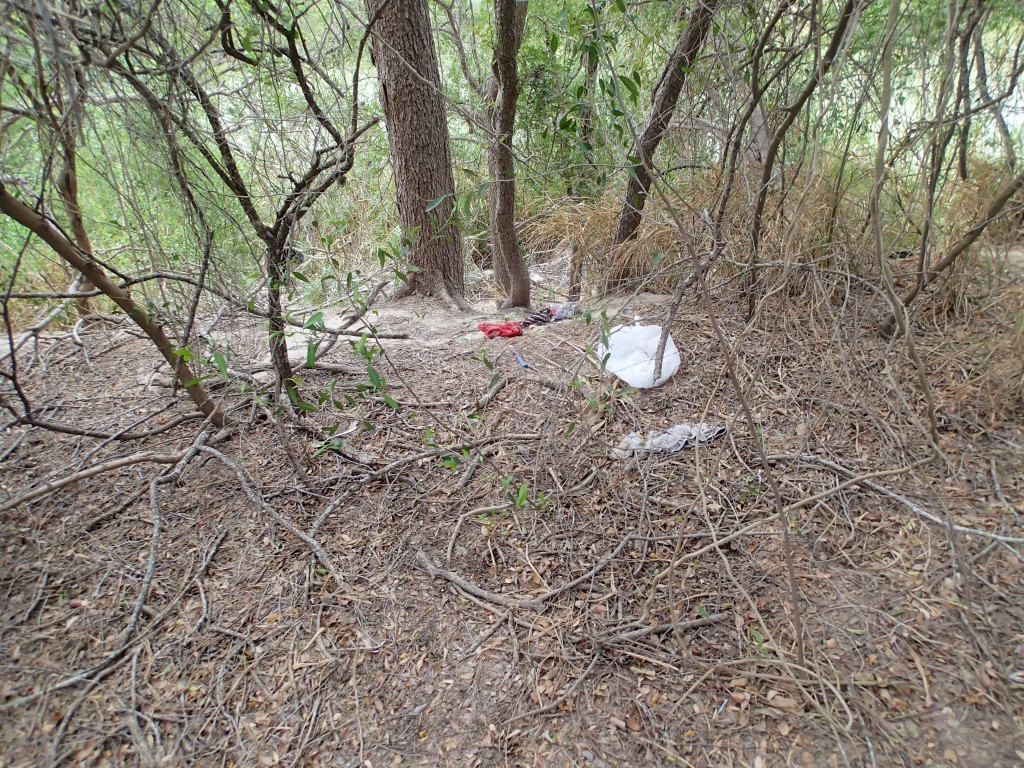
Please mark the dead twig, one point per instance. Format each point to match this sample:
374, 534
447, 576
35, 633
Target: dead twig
276, 516
434, 571
489, 395
463, 518
660, 629
856, 479
85, 474
564, 697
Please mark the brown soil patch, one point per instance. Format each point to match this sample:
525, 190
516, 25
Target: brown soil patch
661, 644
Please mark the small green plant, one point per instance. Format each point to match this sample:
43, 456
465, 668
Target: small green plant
481, 355
757, 639
519, 495
754, 487
493, 516
378, 384
450, 461
396, 251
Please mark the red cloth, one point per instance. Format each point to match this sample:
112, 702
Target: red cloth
494, 330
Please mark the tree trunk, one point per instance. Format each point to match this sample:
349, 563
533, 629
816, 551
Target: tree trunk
91, 271
67, 187
403, 52
666, 94
509, 267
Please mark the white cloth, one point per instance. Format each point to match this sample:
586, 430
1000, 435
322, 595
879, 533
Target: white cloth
685, 435
631, 352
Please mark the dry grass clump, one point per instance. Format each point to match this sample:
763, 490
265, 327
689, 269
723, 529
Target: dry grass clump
979, 366
587, 229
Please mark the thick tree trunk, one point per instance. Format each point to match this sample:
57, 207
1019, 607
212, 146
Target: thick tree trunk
509, 267
403, 52
666, 94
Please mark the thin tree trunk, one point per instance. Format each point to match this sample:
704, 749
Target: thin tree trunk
888, 324
420, 147
994, 108
665, 97
792, 111
67, 188
587, 176
509, 267
48, 233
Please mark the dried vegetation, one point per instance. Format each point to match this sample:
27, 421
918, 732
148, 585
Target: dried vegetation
473, 580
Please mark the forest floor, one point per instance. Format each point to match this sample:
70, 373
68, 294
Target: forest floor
511, 593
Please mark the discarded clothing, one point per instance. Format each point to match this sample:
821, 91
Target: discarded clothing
494, 330
540, 317
670, 440
565, 311
631, 353
551, 314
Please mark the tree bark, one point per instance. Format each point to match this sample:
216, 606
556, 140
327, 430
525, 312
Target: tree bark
509, 267
665, 97
402, 47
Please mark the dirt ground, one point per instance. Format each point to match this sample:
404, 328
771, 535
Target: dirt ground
510, 594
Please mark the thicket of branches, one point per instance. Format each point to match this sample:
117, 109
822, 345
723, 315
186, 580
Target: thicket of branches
181, 158
831, 178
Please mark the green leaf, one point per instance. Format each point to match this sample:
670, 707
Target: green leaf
375, 378
221, 363
435, 203
314, 320
390, 401
311, 348
630, 86
521, 494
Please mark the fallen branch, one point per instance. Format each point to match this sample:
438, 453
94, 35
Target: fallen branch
434, 572
499, 385
661, 629
856, 479
564, 697
535, 604
67, 429
97, 672
126, 461
276, 516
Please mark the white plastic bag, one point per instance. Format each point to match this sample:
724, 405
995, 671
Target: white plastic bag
631, 351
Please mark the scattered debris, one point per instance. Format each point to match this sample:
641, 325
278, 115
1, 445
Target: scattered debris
519, 358
494, 330
631, 354
671, 440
